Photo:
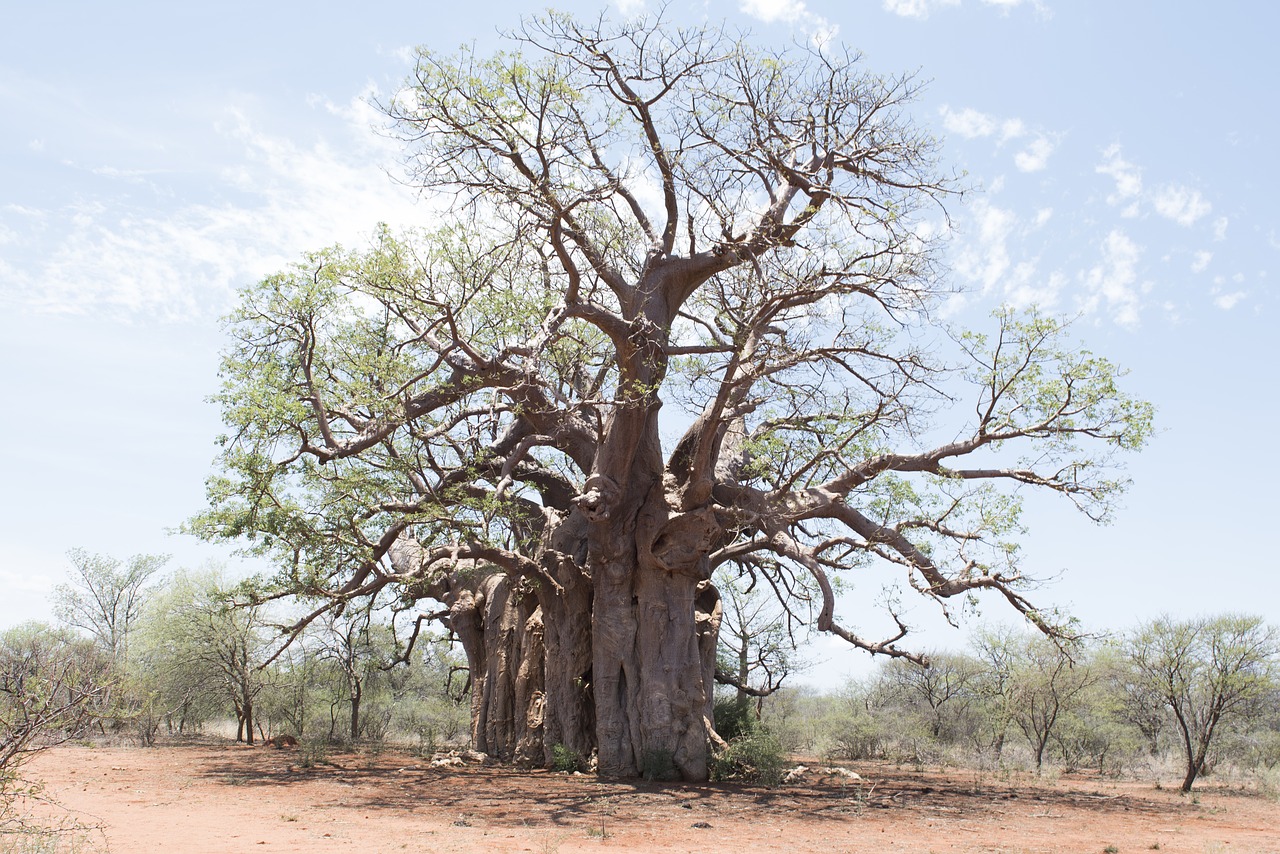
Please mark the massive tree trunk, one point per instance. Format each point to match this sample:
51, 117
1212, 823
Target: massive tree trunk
528, 648
653, 661
621, 657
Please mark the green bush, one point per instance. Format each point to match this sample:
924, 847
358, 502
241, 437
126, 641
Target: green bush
756, 757
733, 719
565, 759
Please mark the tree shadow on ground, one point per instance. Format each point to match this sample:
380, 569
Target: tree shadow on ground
503, 796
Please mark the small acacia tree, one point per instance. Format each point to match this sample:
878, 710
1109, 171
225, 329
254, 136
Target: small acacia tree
53, 685
106, 596
641, 216
202, 645
1208, 672
940, 694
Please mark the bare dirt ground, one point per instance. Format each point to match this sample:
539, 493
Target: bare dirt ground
218, 797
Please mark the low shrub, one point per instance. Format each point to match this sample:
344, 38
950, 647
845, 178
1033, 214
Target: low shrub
756, 757
565, 759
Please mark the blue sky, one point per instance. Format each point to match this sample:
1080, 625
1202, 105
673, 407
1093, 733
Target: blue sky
156, 156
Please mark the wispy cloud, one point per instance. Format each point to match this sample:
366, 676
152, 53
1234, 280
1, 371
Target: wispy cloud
974, 124
1200, 261
1035, 156
985, 258
1006, 6
104, 254
1227, 299
1177, 202
1112, 284
771, 11
1182, 204
1128, 179
922, 9
793, 12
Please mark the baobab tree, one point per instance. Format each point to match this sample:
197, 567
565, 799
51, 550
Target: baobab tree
677, 315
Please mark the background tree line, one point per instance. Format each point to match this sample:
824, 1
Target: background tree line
1190, 695
139, 653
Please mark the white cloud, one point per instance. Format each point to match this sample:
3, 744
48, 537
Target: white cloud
1184, 205
821, 30
1028, 287
1043, 216
1113, 284
921, 9
1128, 177
984, 258
630, 7
973, 124
770, 11
1007, 5
1181, 204
1227, 300
1035, 156
969, 123
106, 255
1200, 261
1011, 129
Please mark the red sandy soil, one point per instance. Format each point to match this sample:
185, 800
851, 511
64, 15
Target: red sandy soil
218, 797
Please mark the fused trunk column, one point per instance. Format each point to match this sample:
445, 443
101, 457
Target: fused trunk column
654, 647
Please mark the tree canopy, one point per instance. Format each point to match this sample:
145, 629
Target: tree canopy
679, 313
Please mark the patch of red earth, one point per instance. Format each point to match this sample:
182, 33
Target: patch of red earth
226, 798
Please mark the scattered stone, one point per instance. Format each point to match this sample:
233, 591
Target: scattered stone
701, 825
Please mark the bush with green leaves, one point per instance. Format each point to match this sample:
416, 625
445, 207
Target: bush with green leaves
756, 757
734, 719
53, 686
565, 759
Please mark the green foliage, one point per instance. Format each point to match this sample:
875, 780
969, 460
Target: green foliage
202, 653
314, 753
458, 390
105, 597
423, 706
753, 758
734, 718
565, 759
53, 686
1212, 673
